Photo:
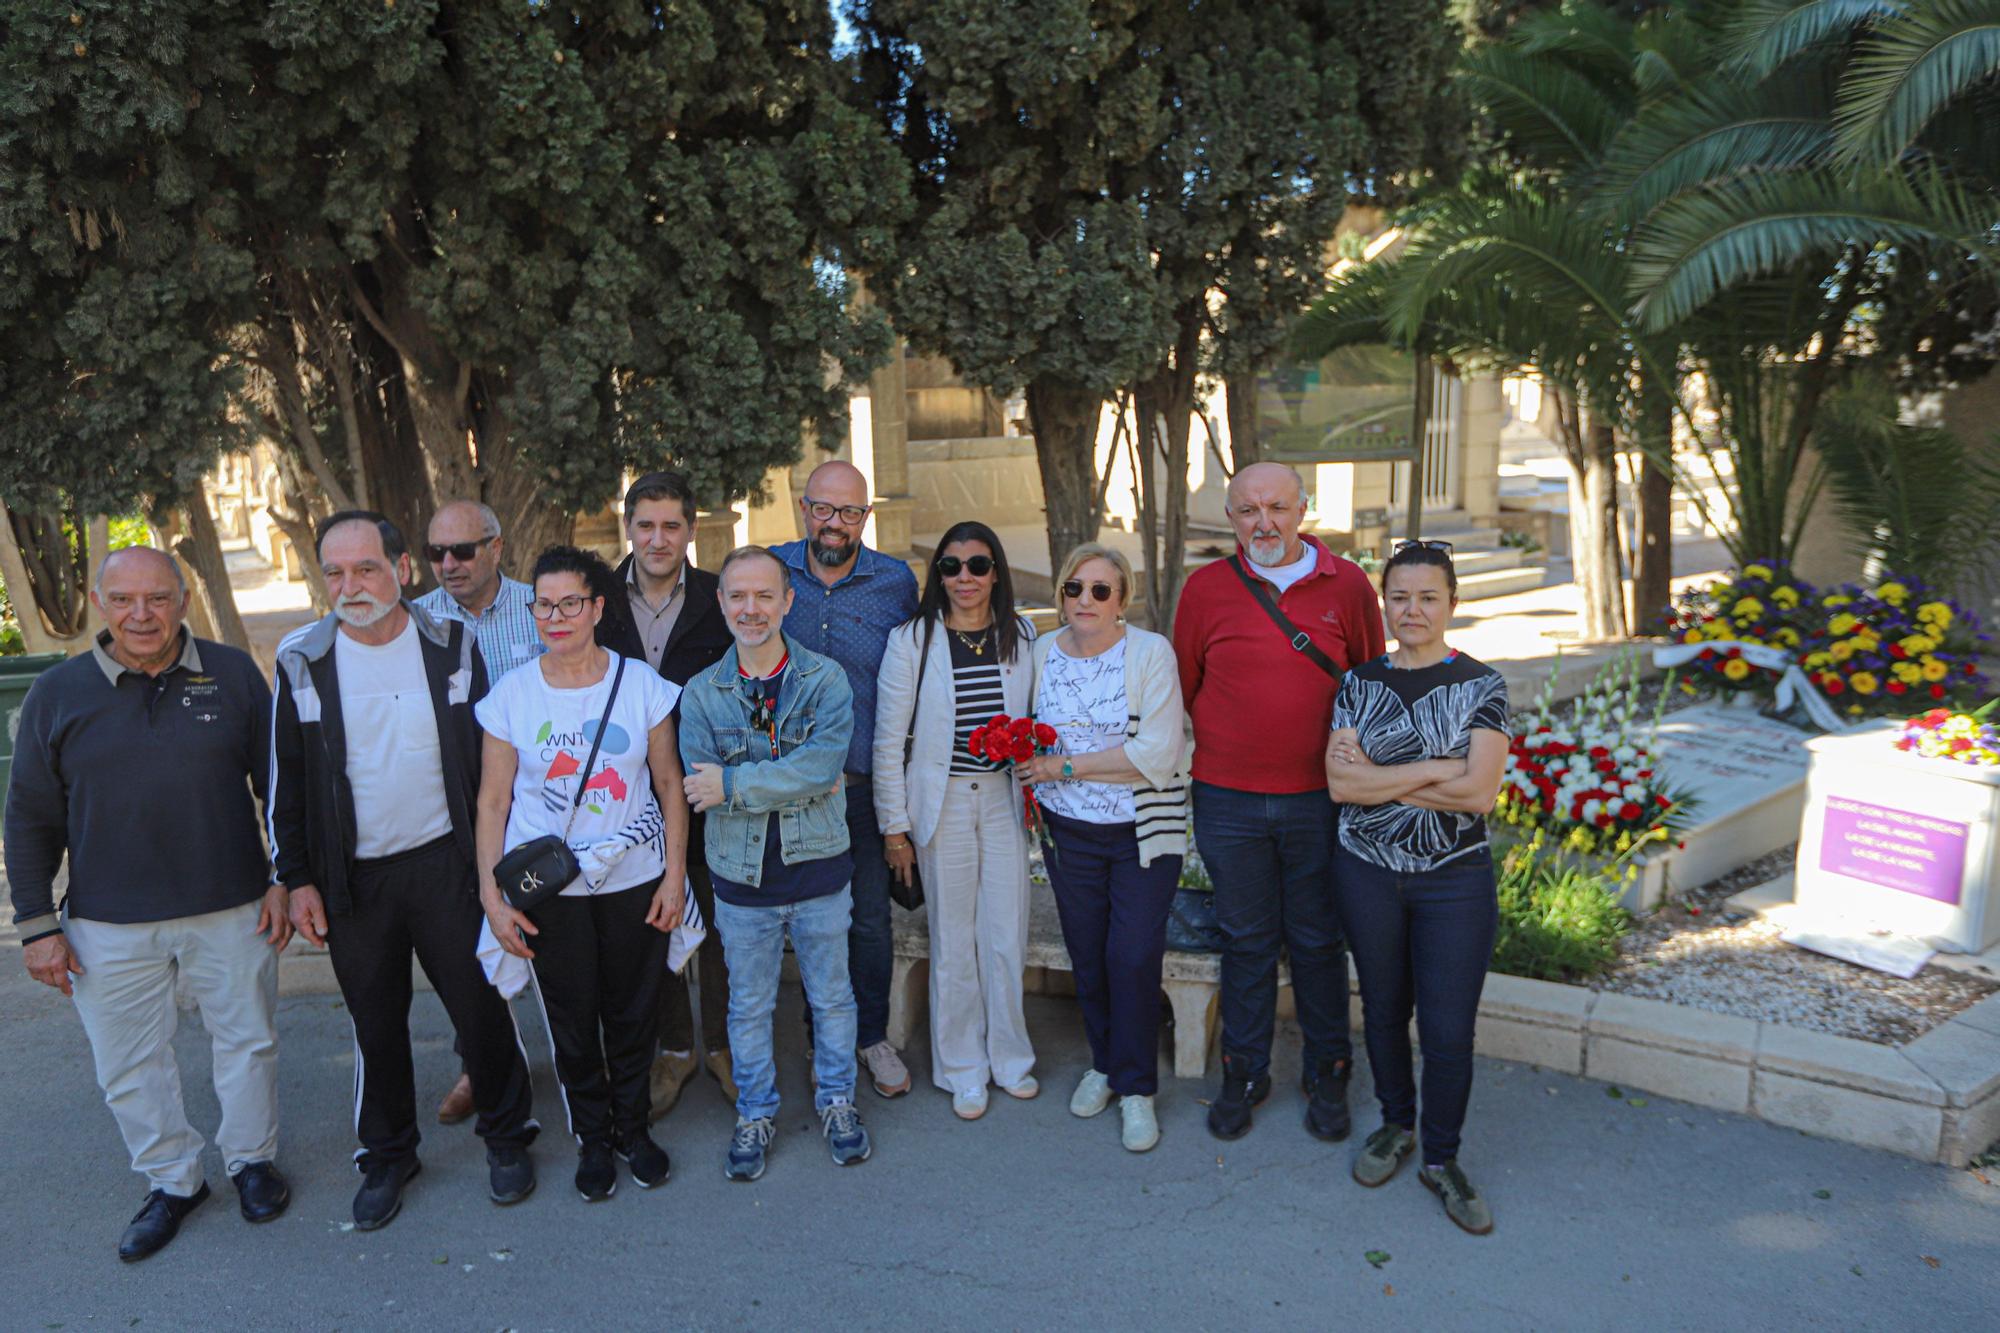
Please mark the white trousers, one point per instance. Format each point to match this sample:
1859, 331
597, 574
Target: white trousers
975, 871
126, 999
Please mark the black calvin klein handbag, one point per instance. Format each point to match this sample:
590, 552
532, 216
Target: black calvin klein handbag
543, 867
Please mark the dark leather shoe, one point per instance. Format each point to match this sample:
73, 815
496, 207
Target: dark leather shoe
1229, 1114
510, 1174
380, 1197
1326, 1100
262, 1192
157, 1222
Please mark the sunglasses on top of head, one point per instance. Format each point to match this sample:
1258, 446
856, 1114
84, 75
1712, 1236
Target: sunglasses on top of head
1422, 544
1099, 592
979, 565
459, 551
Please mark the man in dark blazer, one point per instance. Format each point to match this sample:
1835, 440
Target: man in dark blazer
674, 623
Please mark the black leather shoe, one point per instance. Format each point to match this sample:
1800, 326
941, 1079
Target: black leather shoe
596, 1173
262, 1192
510, 1174
380, 1197
1326, 1100
157, 1222
648, 1161
1229, 1114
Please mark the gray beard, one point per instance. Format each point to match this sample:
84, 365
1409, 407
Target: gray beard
360, 618
1276, 546
829, 556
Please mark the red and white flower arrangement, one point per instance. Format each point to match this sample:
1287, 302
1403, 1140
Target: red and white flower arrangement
1009, 740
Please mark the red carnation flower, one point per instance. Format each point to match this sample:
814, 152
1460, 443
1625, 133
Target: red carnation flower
998, 721
1023, 748
1604, 820
1896, 651
1630, 811
1022, 726
1898, 687
1937, 691
1832, 684
1044, 734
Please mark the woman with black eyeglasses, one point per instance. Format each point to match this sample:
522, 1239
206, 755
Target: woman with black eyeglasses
954, 817
1115, 799
580, 744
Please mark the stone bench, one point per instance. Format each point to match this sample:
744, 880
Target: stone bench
1192, 981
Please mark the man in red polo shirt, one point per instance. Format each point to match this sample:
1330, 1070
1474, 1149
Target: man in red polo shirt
1261, 698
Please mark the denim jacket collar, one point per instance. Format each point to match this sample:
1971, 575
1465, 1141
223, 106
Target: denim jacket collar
725, 676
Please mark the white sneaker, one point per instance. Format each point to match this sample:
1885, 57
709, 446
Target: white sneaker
1026, 1090
1092, 1095
1141, 1130
885, 1069
969, 1105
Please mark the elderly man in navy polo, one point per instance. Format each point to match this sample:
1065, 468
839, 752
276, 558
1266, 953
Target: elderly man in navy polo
845, 600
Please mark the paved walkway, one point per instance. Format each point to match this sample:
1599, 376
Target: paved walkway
1659, 1216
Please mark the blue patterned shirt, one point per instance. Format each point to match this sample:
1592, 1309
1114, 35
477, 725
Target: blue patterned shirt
850, 622
505, 630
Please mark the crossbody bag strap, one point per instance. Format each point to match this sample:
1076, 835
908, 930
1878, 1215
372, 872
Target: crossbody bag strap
923, 661
1295, 636
603, 725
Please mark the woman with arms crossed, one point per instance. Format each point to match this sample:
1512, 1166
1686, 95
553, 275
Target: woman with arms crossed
599, 947
1414, 760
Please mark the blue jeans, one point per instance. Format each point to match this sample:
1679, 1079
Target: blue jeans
1271, 860
1421, 940
753, 943
871, 947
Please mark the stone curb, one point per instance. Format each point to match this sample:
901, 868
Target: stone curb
1936, 1099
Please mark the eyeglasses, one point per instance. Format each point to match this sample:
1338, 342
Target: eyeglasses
544, 609
1099, 592
980, 565
1422, 544
460, 551
849, 514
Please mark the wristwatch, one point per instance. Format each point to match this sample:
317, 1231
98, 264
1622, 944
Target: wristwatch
1069, 769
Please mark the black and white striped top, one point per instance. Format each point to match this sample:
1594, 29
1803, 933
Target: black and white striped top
976, 692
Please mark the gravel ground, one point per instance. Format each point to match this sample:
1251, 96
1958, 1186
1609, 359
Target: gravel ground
1695, 951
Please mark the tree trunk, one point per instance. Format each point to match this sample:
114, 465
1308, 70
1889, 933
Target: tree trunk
1166, 415
1593, 519
1653, 572
512, 489
36, 636
1064, 419
200, 546
1239, 394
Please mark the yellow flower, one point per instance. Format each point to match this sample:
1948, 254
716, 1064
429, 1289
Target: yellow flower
1736, 668
1756, 571
1787, 636
1908, 672
1842, 624
1895, 594
1836, 600
1854, 709
1934, 670
1748, 608
1866, 640
1785, 596
1916, 645
1840, 650
1818, 659
1693, 634
1720, 632
1936, 614
1863, 682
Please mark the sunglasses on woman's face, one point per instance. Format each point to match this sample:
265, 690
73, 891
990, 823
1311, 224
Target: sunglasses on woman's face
979, 565
1099, 592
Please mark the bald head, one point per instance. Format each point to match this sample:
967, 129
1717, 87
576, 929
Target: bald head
464, 520
1266, 504
464, 550
835, 506
147, 558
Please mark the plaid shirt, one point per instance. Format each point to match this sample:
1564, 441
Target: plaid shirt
850, 622
505, 630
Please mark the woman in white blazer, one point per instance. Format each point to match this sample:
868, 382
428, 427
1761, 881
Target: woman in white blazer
1115, 798
957, 818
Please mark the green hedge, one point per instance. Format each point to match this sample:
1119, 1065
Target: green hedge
1559, 917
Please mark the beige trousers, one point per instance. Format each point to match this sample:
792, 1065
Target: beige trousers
126, 1000
975, 871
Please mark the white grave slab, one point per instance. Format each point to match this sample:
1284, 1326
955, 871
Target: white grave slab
1747, 775
1909, 844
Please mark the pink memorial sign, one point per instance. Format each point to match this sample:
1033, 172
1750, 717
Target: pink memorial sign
1895, 848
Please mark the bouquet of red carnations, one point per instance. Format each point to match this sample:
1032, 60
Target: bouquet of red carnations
1006, 740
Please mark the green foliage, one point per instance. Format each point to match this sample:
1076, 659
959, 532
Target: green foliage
1918, 499
392, 237
1559, 917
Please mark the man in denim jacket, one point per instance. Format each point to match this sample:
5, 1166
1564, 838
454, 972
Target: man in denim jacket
763, 734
